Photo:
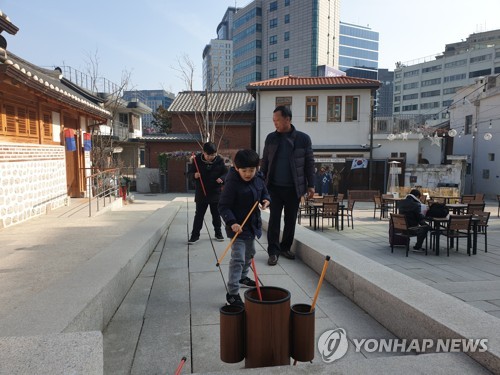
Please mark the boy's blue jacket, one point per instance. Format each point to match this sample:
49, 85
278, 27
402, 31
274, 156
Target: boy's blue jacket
236, 201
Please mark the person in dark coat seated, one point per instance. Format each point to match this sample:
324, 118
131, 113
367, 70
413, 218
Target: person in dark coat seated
411, 208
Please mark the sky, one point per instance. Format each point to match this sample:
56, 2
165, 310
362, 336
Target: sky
150, 39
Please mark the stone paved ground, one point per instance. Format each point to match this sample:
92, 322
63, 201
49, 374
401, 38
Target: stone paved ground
474, 280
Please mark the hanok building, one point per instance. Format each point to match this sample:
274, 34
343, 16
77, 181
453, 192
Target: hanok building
225, 117
45, 121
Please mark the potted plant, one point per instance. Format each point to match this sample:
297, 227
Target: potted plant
154, 185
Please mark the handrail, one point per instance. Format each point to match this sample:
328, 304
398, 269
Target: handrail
102, 185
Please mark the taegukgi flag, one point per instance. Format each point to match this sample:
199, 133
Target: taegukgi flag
359, 163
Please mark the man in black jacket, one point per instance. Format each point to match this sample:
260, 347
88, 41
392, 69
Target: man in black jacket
411, 207
288, 167
208, 170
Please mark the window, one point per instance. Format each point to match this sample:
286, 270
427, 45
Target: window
411, 73
273, 6
491, 157
273, 56
468, 124
486, 174
287, 35
286, 70
334, 109
273, 23
272, 73
284, 100
273, 39
287, 3
311, 109
351, 108
286, 53
19, 121
431, 68
381, 125
287, 18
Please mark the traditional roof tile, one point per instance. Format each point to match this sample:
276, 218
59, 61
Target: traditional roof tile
51, 83
217, 101
317, 83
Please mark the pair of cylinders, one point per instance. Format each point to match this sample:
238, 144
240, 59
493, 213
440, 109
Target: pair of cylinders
267, 332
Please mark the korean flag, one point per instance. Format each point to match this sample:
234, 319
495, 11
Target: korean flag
359, 163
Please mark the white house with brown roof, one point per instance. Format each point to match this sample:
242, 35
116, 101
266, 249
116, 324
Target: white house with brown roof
334, 111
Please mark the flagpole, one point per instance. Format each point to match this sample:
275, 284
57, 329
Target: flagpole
372, 122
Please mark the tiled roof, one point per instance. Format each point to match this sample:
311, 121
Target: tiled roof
180, 137
317, 83
51, 83
217, 101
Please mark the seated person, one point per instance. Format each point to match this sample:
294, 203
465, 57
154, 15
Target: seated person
411, 208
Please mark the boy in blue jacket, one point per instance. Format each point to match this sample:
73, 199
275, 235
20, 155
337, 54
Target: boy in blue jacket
243, 187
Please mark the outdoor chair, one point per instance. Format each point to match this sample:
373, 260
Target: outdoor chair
479, 197
458, 226
340, 198
474, 207
400, 229
328, 199
378, 205
482, 226
390, 204
498, 209
348, 213
330, 211
465, 199
305, 211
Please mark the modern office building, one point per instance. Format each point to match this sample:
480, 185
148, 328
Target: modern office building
274, 38
428, 86
218, 65
383, 107
153, 99
358, 50
218, 56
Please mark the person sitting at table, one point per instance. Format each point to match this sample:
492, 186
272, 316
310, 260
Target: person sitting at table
411, 207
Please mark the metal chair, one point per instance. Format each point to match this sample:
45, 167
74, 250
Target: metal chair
474, 207
482, 226
305, 210
330, 211
379, 205
465, 199
348, 213
400, 229
458, 226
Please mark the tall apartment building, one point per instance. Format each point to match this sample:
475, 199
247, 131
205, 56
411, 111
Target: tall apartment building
274, 38
153, 99
358, 50
218, 56
429, 87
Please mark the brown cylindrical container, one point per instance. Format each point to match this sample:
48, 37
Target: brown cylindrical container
232, 333
302, 346
267, 327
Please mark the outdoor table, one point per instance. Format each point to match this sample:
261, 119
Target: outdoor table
446, 198
394, 201
436, 227
457, 208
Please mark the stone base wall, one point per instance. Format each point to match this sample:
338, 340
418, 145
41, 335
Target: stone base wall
32, 181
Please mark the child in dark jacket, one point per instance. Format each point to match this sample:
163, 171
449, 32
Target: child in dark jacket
243, 187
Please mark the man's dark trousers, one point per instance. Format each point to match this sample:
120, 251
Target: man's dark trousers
282, 198
201, 208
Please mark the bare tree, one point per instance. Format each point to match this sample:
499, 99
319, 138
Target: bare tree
205, 105
103, 135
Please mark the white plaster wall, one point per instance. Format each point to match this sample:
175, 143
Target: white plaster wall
321, 132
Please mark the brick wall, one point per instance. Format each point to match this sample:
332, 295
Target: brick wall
32, 181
